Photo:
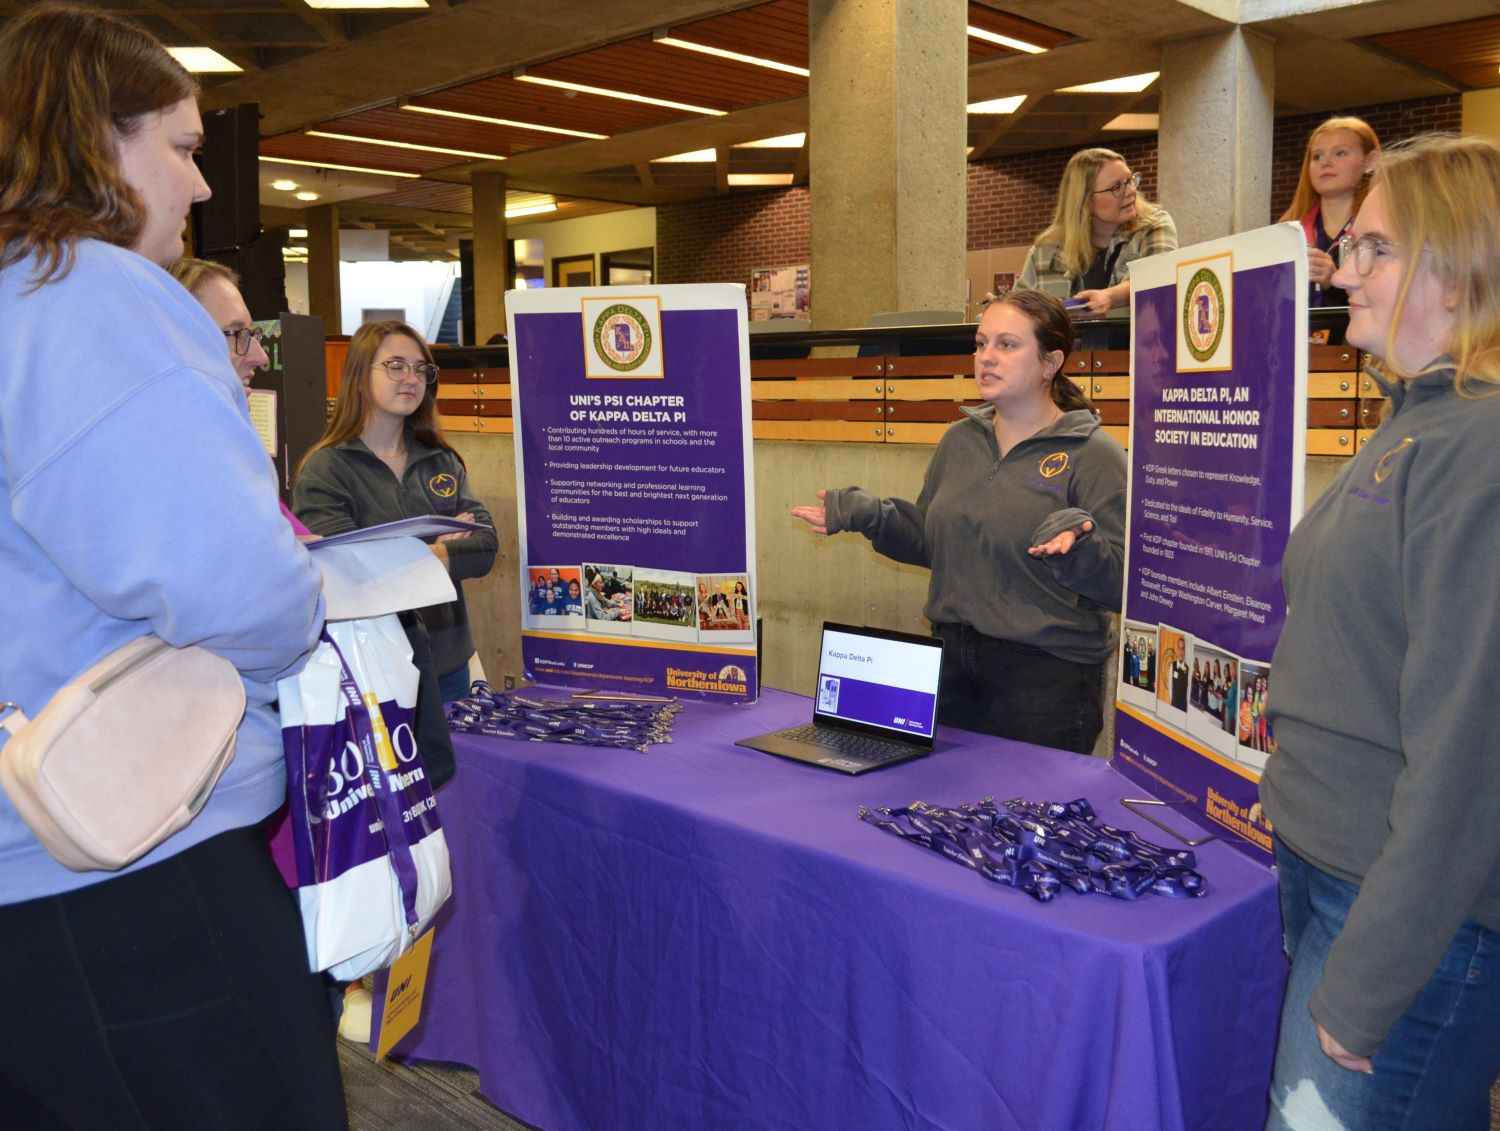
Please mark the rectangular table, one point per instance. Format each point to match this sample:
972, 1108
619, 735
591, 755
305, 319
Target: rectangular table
707, 937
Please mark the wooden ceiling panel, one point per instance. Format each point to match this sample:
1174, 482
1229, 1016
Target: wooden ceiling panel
776, 31
303, 148
1014, 27
429, 196
1467, 52
504, 97
394, 124
657, 71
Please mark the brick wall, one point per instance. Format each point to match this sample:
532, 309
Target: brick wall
723, 238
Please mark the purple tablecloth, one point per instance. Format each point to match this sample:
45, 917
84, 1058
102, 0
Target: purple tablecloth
707, 937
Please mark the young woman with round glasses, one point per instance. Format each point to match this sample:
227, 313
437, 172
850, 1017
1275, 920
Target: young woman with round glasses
1101, 225
1383, 783
384, 457
138, 499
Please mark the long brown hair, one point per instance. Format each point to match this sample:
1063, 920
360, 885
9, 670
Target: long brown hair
351, 412
1054, 332
73, 81
1306, 196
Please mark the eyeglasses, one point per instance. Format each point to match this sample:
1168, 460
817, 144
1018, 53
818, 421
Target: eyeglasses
1363, 251
1119, 188
397, 368
239, 340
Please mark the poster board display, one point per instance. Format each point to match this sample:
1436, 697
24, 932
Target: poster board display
635, 488
781, 292
1217, 446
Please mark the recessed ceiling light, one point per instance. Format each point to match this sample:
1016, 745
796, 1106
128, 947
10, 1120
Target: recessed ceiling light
503, 122
529, 210
342, 168
204, 61
307, 196
283, 185
520, 75
296, 233
997, 105
670, 40
1134, 122
355, 5
1005, 41
1129, 84
696, 156
785, 141
407, 145
760, 178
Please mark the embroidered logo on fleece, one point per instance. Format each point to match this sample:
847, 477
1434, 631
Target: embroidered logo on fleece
1053, 465
1387, 463
443, 485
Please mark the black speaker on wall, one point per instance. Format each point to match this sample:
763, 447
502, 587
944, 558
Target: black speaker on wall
231, 166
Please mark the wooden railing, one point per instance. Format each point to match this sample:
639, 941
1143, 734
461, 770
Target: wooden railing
912, 400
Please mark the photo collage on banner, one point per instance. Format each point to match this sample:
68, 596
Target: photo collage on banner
635, 484
1217, 444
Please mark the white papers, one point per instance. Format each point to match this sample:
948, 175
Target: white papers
387, 575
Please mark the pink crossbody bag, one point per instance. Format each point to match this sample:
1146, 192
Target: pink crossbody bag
124, 755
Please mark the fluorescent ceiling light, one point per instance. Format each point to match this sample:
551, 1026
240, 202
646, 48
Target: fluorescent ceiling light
529, 210
204, 61
307, 196
502, 122
293, 250
786, 141
520, 75
697, 155
760, 178
1134, 122
1129, 84
348, 5
342, 168
1005, 41
407, 145
283, 185
719, 52
296, 233
997, 105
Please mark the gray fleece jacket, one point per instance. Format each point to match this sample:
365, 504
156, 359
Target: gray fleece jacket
348, 487
978, 514
1383, 689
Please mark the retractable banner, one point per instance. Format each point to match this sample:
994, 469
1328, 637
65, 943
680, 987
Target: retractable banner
1218, 439
635, 488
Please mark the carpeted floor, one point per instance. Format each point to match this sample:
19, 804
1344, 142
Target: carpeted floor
426, 1096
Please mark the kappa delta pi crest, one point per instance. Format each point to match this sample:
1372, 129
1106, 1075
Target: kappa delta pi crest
1203, 314
622, 337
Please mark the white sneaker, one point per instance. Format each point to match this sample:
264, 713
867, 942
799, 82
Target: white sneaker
354, 1025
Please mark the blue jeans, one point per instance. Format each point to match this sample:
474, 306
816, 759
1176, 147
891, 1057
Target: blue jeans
1433, 1071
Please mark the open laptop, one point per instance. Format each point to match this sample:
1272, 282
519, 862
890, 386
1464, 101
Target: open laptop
875, 706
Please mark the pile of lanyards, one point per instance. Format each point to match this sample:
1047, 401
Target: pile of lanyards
1044, 848
627, 722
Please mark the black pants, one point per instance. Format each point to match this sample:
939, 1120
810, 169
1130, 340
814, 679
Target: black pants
1019, 692
173, 997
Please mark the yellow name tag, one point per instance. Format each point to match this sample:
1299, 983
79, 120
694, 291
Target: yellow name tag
403, 995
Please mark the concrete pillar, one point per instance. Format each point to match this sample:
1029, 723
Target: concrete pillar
1215, 142
888, 179
323, 267
491, 275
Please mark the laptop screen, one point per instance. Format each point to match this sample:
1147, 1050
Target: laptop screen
886, 680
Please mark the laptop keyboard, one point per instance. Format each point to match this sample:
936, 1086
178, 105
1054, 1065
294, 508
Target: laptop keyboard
863, 747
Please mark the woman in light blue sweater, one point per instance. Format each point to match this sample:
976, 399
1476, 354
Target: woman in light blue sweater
135, 498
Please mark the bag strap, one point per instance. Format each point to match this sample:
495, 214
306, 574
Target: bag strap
12, 718
379, 756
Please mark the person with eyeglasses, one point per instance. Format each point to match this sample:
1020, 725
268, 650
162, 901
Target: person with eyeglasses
1341, 155
217, 290
384, 457
1383, 778
1100, 226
